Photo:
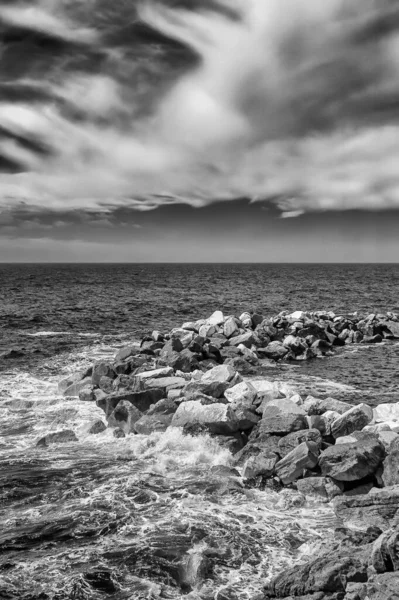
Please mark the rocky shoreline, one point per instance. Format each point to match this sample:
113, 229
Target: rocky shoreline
206, 378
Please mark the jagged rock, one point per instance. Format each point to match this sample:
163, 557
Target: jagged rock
246, 339
243, 393
234, 443
106, 384
292, 440
258, 444
327, 574
156, 422
318, 406
126, 352
131, 383
87, 394
166, 383
385, 552
247, 419
390, 475
230, 328
275, 350
352, 420
217, 418
118, 433
378, 508
64, 384
295, 344
282, 416
216, 318
291, 467
383, 587
141, 400
221, 373
260, 464
124, 416
321, 347
96, 427
128, 366
216, 389
387, 438
102, 368
324, 487
58, 437
393, 328
75, 388
353, 461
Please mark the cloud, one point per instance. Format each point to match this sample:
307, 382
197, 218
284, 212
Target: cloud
295, 101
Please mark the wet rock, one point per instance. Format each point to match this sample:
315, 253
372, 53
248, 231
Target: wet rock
378, 508
156, 422
328, 574
87, 394
95, 427
393, 328
282, 416
322, 487
64, 384
118, 433
217, 418
275, 350
131, 383
353, 461
141, 400
321, 347
292, 440
390, 475
126, 352
124, 416
383, 587
58, 437
261, 464
100, 369
295, 344
75, 388
352, 420
291, 467
234, 443
221, 374
385, 552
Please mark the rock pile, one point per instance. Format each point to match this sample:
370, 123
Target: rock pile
196, 378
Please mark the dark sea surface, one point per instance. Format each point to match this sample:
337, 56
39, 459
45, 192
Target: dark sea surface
159, 516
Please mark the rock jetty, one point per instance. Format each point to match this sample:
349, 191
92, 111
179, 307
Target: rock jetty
203, 377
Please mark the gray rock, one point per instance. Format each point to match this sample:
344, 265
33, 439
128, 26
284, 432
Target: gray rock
393, 328
275, 350
385, 553
260, 464
217, 418
216, 389
353, 461
156, 422
282, 416
166, 383
95, 427
230, 328
352, 420
313, 486
383, 587
102, 368
124, 416
71, 379
246, 339
247, 418
292, 440
75, 388
87, 394
379, 508
318, 406
126, 352
141, 400
291, 467
220, 374
390, 475
118, 433
58, 437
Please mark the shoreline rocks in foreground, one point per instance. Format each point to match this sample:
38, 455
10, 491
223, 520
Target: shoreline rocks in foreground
204, 378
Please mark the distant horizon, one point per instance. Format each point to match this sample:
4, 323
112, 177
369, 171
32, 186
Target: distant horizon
83, 263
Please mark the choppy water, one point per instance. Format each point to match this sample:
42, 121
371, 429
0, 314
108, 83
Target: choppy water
152, 517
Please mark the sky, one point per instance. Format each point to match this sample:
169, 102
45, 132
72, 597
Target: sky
199, 131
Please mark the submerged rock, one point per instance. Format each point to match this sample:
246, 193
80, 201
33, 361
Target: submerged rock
58, 437
124, 416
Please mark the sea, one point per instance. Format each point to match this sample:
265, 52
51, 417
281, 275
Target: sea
165, 515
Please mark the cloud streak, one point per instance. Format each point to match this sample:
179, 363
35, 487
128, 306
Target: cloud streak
291, 101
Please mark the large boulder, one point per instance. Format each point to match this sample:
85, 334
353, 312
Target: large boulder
124, 416
246, 339
384, 413
230, 328
243, 393
353, 461
292, 466
275, 350
382, 587
166, 383
216, 389
318, 406
390, 475
282, 416
393, 328
260, 464
385, 553
73, 378
323, 487
216, 418
77, 387
352, 420
292, 440
379, 508
158, 417
247, 418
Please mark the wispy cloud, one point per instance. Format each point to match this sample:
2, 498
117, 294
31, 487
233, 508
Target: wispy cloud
295, 101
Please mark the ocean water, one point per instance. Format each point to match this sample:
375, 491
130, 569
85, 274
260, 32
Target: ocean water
163, 516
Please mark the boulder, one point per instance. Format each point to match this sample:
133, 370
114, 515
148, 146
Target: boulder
247, 418
102, 368
322, 487
58, 437
318, 406
352, 420
258, 444
166, 383
64, 384
246, 339
216, 318
126, 352
382, 587
260, 464
131, 383
220, 374
141, 400
282, 416
95, 427
124, 416
353, 461
230, 328
379, 508
156, 422
387, 438
390, 475
295, 344
393, 328
88, 394
292, 440
385, 552
386, 412
75, 388
275, 350
216, 389
217, 418
327, 574
243, 394
291, 467
118, 433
